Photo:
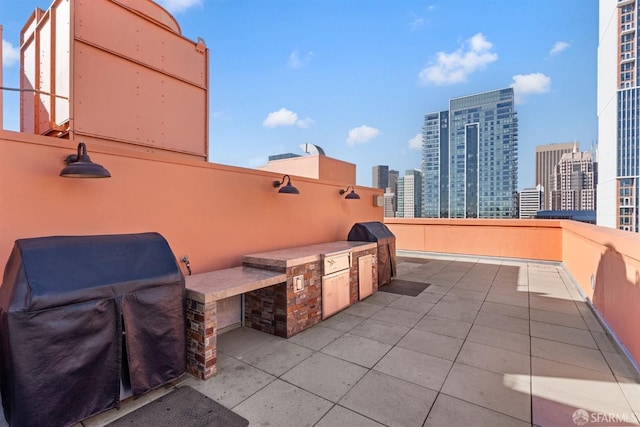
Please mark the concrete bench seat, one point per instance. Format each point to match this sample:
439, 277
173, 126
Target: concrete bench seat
202, 293
219, 284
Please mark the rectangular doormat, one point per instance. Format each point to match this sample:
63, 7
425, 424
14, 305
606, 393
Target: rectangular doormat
183, 407
404, 287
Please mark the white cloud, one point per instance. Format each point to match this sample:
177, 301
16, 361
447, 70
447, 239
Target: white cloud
361, 134
415, 143
284, 117
558, 47
416, 23
296, 62
177, 6
525, 84
10, 54
305, 123
455, 67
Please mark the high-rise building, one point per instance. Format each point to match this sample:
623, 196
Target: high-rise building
618, 111
531, 201
380, 178
435, 164
470, 158
547, 158
572, 186
409, 196
389, 204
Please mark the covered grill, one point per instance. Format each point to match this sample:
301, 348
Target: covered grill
375, 231
86, 321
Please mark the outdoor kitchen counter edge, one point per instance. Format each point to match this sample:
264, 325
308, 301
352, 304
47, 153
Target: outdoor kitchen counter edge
289, 257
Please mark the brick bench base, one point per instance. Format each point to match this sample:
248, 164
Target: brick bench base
202, 293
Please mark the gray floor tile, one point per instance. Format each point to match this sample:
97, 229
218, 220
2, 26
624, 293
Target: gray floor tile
564, 306
449, 411
418, 368
240, 340
398, 317
559, 390
389, 400
282, 404
505, 310
234, 382
517, 299
494, 359
561, 319
509, 395
440, 325
604, 341
381, 298
325, 376
316, 337
461, 309
363, 309
562, 334
430, 343
461, 292
339, 416
276, 357
620, 365
631, 389
342, 322
500, 338
412, 304
506, 323
569, 354
384, 332
359, 350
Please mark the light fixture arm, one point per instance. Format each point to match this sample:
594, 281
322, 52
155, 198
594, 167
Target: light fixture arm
277, 184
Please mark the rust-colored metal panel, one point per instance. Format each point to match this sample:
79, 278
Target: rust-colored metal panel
115, 29
28, 81
61, 72
124, 101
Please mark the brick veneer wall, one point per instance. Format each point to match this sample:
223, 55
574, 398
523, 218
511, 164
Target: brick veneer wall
281, 311
201, 341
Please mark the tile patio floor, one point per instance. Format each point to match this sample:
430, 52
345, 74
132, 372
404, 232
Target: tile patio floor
491, 342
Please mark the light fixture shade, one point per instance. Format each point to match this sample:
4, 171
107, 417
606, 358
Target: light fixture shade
81, 166
352, 195
288, 188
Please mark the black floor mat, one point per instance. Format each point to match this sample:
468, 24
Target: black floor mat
404, 287
182, 407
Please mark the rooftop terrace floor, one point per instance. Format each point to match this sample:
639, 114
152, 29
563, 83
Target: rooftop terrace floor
490, 342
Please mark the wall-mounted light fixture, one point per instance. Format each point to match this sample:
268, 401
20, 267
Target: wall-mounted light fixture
287, 189
80, 166
351, 196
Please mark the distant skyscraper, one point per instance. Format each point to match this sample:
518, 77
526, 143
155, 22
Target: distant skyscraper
531, 201
380, 178
547, 157
618, 111
572, 185
409, 196
389, 205
470, 158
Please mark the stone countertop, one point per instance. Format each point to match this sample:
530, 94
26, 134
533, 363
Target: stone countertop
219, 284
289, 257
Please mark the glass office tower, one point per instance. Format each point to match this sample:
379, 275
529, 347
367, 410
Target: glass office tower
470, 158
618, 204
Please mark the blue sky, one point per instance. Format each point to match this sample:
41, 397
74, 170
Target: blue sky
356, 77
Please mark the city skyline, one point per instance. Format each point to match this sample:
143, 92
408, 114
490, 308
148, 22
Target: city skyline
356, 78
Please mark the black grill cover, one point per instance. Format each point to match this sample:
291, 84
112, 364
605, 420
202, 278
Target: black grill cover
65, 305
375, 231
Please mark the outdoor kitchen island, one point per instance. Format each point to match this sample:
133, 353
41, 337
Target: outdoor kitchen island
321, 280
284, 292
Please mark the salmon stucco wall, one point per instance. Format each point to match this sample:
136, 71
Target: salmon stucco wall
213, 213
532, 239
